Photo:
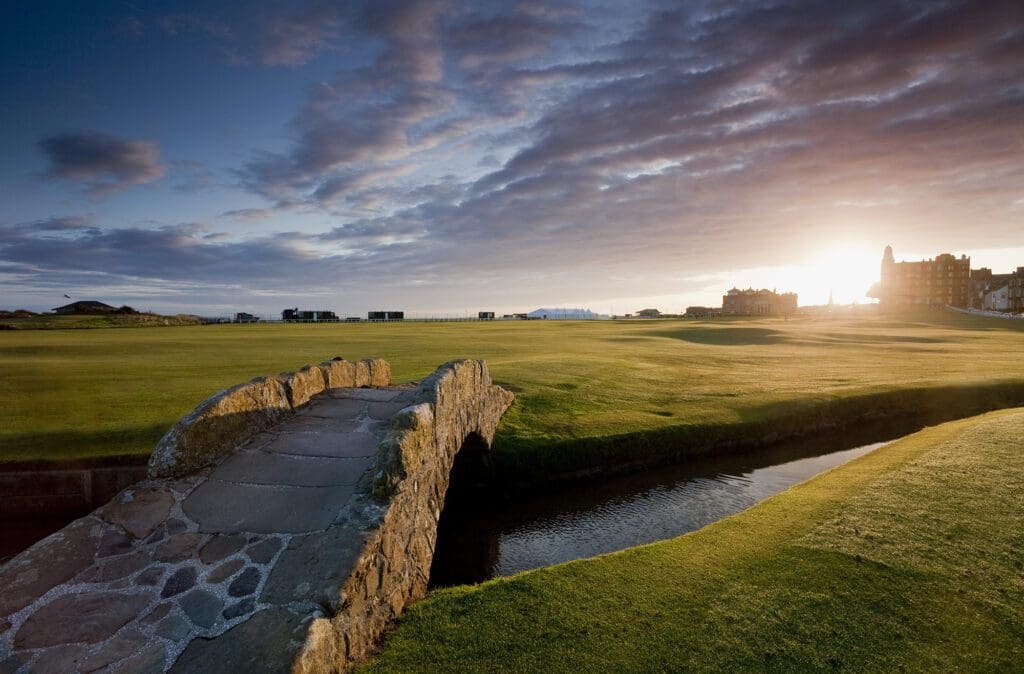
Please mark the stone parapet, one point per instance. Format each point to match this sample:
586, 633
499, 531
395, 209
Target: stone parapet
228, 419
455, 406
291, 547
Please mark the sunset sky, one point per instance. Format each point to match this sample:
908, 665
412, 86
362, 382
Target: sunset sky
443, 157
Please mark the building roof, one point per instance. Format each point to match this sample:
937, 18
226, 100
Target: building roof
86, 305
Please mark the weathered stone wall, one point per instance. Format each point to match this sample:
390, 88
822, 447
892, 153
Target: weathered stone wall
228, 419
456, 403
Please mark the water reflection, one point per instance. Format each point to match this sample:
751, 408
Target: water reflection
478, 540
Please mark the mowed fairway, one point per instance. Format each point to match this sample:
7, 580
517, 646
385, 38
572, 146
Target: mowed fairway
77, 393
909, 558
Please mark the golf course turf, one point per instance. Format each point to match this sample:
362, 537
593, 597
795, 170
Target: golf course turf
909, 558
587, 392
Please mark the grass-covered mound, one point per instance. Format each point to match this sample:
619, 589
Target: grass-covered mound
588, 391
909, 558
14, 321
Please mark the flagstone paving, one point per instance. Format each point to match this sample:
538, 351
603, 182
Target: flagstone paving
179, 574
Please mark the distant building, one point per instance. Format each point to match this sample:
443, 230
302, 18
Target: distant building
997, 299
485, 315
297, 315
702, 312
85, 307
944, 280
648, 313
385, 316
762, 302
1016, 290
243, 317
982, 282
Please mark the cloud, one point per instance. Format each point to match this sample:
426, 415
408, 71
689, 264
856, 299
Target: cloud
558, 148
422, 90
41, 228
100, 162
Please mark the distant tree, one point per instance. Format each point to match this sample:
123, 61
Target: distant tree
126, 310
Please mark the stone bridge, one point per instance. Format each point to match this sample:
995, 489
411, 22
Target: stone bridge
284, 524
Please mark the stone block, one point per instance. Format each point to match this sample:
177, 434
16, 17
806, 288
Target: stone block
264, 551
313, 568
363, 376
226, 507
266, 642
181, 580
379, 372
224, 571
118, 648
289, 469
178, 547
245, 584
328, 444
303, 385
50, 562
239, 608
87, 618
139, 510
339, 373
125, 565
202, 607
220, 547
174, 628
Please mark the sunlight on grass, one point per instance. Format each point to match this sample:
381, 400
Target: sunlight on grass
69, 393
908, 558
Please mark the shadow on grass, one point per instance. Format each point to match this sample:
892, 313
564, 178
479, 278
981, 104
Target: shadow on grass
727, 336
47, 447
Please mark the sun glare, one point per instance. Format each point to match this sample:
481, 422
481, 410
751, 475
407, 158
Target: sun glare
847, 271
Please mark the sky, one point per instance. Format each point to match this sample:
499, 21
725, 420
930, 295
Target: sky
448, 157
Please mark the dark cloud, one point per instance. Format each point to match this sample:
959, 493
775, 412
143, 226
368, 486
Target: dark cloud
101, 162
41, 228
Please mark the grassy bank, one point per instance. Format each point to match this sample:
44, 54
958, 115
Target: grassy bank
600, 389
910, 558
74, 322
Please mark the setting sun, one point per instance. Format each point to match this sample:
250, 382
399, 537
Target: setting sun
847, 271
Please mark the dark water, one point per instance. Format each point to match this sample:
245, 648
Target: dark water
479, 539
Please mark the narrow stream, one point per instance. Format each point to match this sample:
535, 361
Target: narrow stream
479, 539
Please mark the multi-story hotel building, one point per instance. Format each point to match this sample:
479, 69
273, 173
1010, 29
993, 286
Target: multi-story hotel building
1016, 288
944, 280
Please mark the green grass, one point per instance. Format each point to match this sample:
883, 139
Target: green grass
909, 558
588, 391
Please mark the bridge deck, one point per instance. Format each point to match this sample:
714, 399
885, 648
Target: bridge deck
225, 566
